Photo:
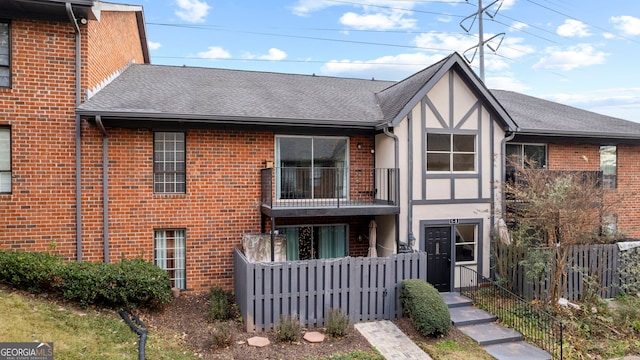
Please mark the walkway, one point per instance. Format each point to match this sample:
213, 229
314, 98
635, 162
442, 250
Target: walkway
390, 341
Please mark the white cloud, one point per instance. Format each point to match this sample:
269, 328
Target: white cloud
192, 10
517, 25
379, 21
214, 52
623, 103
394, 67
629, 25
608, 35
507, 82
153, 45
274, 54
573, 28
573, 57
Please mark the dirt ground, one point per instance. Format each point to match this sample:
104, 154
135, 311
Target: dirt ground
188, 315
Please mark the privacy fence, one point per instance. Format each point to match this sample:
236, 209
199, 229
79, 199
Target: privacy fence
600, 270
364, 288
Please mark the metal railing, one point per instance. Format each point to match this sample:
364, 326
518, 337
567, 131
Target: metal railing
328, 186
537, 326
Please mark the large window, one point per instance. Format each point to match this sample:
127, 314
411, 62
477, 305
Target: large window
170, 254
608, 166
5, 54
315, 242
451, 153
169, 174
532, 156
311, 167
466, 240
5, 160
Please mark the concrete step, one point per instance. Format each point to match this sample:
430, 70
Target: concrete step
491, 333
516, 351
454, 299
468, 315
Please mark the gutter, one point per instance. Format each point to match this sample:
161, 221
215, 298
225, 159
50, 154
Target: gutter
105, 187
396, 161
78, 142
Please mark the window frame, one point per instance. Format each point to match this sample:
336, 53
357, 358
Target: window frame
474, 243
521, 145
279, 230
9, 53
613, 183
175, 279
10, 169
451, 152
314, 174
175, 172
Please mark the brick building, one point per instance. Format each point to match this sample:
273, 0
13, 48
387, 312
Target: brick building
53, 54
119, 158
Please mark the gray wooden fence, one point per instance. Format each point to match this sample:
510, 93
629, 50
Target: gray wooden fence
590, 269
364, 288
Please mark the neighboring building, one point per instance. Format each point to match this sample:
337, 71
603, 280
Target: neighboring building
560, 137
177, 164
51, 53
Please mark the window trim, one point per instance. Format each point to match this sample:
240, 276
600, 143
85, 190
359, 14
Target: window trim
174, 172
347, 163
474, 243
615, 176
184, 259
9, 52
10, 171
451, 153
521, 159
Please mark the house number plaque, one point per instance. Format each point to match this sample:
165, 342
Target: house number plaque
453, 221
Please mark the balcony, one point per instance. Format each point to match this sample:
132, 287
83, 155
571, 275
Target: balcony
328, 191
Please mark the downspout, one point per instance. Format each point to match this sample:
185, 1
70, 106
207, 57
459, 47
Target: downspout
396, 161
105, 187
78, 143
504, 169
410, 237
503, 205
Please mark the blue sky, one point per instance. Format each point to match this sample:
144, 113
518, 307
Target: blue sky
582, 53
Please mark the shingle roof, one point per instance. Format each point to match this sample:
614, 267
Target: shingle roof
542, 117
207, 94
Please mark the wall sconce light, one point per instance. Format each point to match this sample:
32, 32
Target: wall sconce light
359, 146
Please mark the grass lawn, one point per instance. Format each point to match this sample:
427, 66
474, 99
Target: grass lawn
78, 333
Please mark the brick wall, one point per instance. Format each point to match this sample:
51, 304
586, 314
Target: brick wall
113, 43
222, 200
624, 201
40, 212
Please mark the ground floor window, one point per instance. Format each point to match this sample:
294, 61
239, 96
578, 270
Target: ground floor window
170, 254
466, 241
315, 242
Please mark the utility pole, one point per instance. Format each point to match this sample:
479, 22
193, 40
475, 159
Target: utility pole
479, 48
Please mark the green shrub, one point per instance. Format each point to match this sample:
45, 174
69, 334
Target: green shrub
221, 334
337, 323
219, 309
123, 285
425, 307
288, 329
34, 272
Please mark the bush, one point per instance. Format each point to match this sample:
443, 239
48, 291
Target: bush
288, 329
221, 334
124, 285
337, 323
219, 309
425, 307
34, 272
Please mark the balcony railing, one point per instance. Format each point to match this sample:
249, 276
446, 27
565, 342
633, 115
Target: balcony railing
328, 187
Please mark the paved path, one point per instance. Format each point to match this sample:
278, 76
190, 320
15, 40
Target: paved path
390, 341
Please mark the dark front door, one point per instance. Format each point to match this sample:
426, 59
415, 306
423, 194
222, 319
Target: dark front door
438, 248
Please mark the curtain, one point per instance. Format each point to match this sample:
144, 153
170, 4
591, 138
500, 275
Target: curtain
332, 241
292, 234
